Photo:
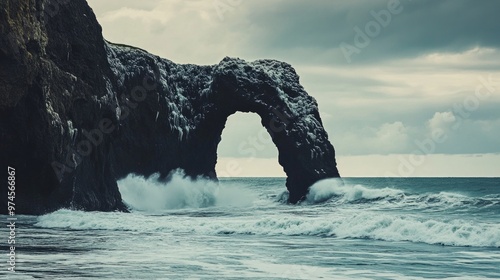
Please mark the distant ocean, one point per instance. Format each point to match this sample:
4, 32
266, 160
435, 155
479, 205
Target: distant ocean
366, 228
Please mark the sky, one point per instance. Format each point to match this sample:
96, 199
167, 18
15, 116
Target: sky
405, 88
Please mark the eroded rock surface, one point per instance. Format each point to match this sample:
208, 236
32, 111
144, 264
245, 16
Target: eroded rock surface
77, 112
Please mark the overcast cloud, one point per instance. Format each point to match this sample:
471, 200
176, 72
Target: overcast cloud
430, 66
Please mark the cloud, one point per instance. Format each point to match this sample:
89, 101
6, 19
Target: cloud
442, 121
183, 31
403, 85
388, 138
422, 27
144, 16
392, 133
245, 137
294, 28
435, 165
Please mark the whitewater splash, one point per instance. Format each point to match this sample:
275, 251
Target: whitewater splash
345, 224
331, 209
374, 224
327, 189
150, 194
335, 192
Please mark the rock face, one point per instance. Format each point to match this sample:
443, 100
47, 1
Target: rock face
77, 112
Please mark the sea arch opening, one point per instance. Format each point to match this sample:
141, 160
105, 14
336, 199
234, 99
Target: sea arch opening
246, 149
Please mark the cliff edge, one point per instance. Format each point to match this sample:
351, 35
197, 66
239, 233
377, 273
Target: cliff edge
78, 113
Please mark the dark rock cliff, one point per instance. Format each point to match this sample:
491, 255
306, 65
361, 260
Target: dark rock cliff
77, 112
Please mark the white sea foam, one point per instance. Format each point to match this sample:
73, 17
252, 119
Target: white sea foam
390, 198
150, 194
329, 188
345, 224
357, 212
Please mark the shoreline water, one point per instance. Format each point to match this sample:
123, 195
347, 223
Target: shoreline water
368, 229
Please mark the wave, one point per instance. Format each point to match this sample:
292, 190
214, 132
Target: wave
150, 194
345, 224
334, 191
334, 188
332, 209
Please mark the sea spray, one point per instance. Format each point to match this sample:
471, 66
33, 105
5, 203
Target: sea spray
336, 193
151, 194
330, 188
351, 211
346, 224
446, 228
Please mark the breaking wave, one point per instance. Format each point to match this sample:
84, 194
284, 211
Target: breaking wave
335, 192
332, 209
363, 225
150, 194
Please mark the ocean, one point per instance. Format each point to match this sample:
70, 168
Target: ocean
354, 228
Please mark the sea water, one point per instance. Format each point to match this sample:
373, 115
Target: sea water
354, 228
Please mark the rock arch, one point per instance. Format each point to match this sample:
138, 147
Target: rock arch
78, 112
203, 97
272, 90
